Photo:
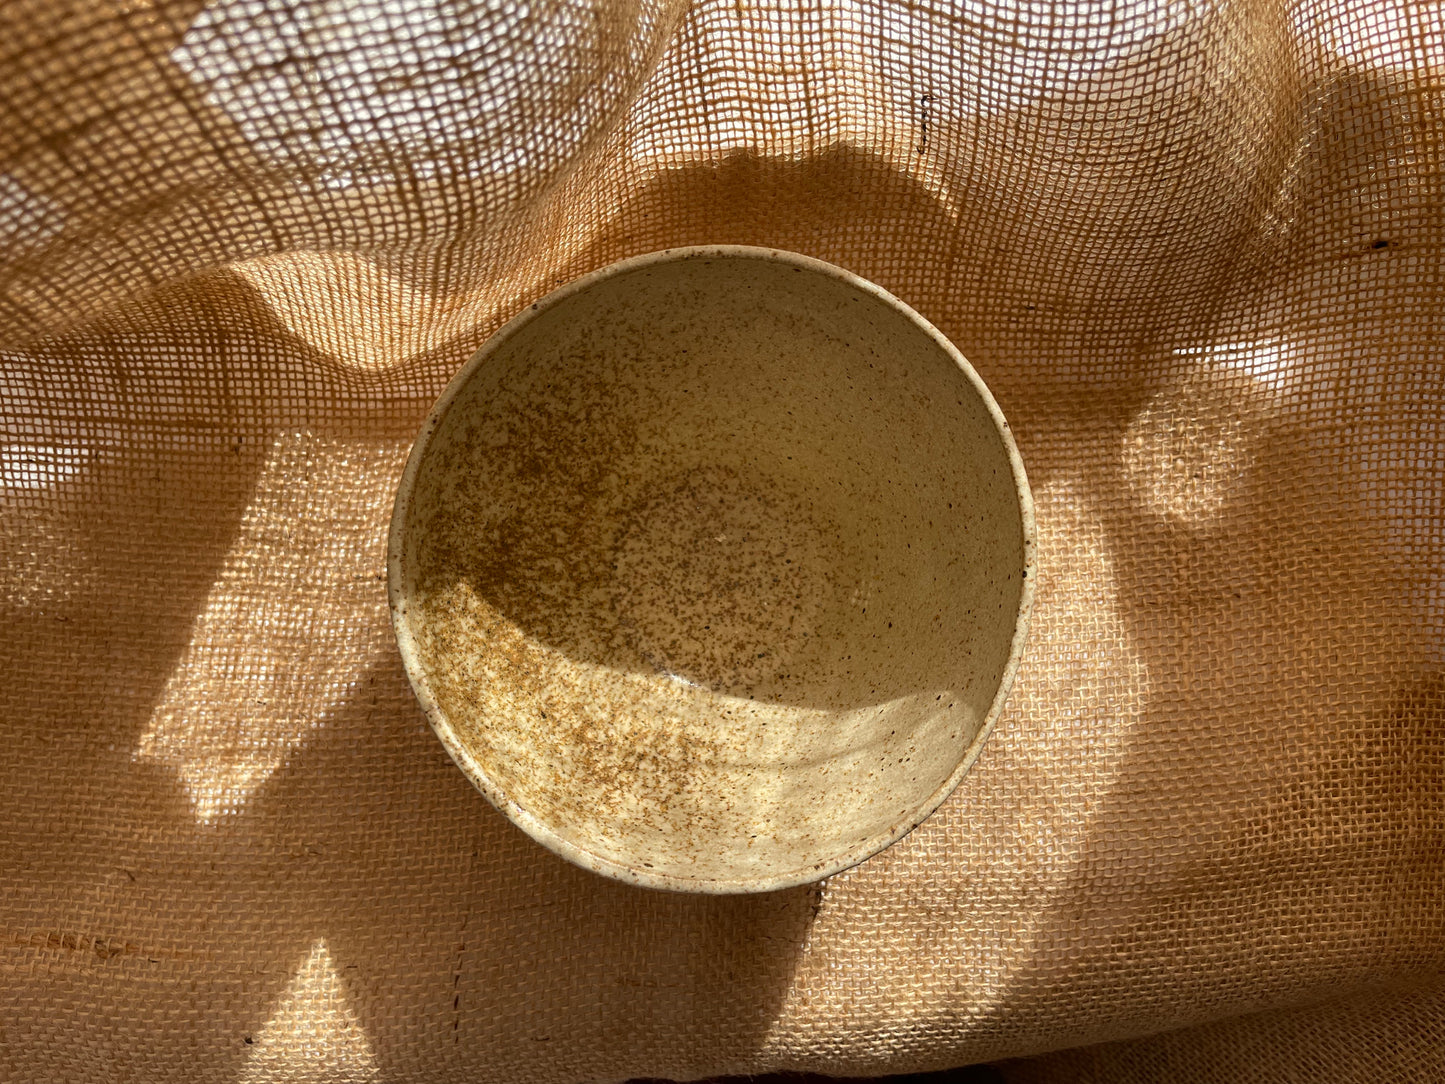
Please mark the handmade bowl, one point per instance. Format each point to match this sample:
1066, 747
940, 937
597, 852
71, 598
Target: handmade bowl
712, 569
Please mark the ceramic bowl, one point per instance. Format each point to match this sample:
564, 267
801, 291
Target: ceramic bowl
712, 569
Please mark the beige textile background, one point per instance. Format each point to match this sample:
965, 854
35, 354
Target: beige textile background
1194, 246
1374, 1037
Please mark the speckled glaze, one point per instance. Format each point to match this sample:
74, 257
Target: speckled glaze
712, 569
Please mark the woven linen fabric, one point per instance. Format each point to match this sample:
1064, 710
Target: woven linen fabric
1195, 247
1374, 1036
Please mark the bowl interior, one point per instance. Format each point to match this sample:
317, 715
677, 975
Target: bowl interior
710, 572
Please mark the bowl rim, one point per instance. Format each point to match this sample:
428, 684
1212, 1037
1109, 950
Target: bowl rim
523, 817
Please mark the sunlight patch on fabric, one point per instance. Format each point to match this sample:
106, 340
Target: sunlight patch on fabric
1191, 449
297, 613
314, 1035
40, 466
368, 93
27, 219
1402, 36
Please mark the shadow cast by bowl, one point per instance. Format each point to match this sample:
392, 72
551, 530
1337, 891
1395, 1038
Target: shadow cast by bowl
506, 952
359, 895
1265, 832
1265, 828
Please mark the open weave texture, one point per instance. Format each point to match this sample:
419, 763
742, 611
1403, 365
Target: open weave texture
1195, 248
1367, 1039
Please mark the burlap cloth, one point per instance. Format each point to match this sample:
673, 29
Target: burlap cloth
1194, 248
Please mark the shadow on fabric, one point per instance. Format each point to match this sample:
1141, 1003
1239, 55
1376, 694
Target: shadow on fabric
254, 829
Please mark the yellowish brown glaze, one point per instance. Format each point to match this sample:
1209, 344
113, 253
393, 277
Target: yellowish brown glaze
711, 570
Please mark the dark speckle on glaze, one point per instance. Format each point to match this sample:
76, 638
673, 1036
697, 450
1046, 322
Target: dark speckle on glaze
724, 581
